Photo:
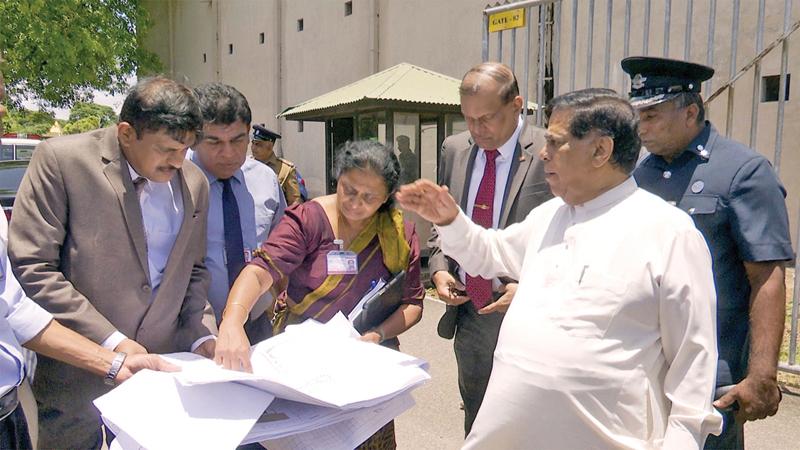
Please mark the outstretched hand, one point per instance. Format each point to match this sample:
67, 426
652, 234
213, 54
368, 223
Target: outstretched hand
431, 201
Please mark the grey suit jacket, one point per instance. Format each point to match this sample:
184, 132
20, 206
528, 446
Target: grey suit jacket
78, 248
525, 190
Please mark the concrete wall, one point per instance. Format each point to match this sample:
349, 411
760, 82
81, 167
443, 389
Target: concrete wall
333, 50
252, 67
443, 36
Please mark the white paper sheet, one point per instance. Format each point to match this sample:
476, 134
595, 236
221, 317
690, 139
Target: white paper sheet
159, 413
346, 434
325, 365
285, 418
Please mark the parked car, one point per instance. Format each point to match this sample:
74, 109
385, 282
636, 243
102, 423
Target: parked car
11, 173
18, 146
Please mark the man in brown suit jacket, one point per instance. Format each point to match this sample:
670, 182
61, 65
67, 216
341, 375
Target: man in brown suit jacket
491, 105
100, 255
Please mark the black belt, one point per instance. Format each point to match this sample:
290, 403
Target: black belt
8, 403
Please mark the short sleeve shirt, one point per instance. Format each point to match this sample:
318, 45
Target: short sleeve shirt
738, 204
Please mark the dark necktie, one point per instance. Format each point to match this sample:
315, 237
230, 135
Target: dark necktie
479, 289
234, 246
139, 183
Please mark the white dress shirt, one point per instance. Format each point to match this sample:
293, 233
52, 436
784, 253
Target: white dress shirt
502, 169
610, 340
21, 319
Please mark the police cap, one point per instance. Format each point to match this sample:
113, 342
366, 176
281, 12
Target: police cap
656, 80
262, 133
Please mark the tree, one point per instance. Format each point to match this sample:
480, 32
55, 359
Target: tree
102, 115
28, 122
83, 125
59, 51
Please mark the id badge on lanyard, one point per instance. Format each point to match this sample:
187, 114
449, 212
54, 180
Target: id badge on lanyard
342, 262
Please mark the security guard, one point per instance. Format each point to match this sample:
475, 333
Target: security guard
263, 141
738, 204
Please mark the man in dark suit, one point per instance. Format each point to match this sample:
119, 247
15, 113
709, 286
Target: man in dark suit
109, 236
492, 171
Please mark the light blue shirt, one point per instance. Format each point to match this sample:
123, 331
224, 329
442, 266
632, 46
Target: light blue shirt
502, 168
261, 204
20, 319
162, 214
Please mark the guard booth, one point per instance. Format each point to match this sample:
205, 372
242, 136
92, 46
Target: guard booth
406, 107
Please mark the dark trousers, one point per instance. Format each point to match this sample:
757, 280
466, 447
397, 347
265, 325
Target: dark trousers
258, 329
14, 431
57, 428
732, 437
475, 340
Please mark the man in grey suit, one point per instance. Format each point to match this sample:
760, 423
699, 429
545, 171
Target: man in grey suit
492, 171
109, 236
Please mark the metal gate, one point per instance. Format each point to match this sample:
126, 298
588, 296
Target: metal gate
559, 42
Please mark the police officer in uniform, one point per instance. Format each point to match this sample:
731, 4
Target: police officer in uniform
738, 204
263, 141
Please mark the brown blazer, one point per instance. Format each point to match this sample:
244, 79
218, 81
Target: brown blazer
78, 248
525, 190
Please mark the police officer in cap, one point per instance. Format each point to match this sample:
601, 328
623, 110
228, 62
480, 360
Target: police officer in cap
738, 204
263, 141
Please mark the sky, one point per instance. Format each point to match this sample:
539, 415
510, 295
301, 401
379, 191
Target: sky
101, 98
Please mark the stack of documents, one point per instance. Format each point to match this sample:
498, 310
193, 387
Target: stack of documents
330, 390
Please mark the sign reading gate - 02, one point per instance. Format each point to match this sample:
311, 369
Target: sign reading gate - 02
507, 20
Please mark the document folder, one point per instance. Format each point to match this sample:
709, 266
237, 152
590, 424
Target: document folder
382, 304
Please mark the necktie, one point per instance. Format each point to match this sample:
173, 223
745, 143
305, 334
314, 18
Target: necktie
479, 289
139, 183
234, 246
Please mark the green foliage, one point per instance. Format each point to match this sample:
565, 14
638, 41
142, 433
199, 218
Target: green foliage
83, 117
82, 125
102, 115
58, 51
29, 122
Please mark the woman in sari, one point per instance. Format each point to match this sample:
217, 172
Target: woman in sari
304, 252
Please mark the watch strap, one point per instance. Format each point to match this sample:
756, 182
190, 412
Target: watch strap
116, 365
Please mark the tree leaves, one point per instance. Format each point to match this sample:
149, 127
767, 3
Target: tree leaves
83, 117
59, 51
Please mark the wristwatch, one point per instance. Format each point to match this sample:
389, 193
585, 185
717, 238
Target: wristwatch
116, 364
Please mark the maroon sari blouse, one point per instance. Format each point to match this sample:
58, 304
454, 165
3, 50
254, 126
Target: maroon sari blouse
298, 249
